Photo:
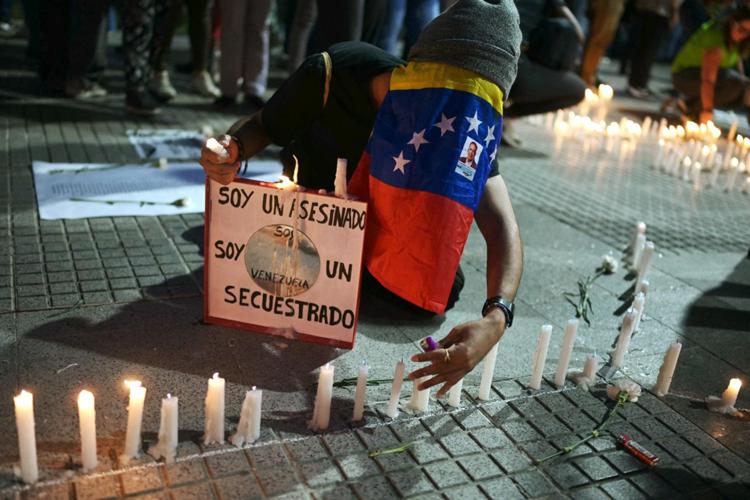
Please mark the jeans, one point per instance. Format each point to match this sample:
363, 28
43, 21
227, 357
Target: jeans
415, 13
606, 18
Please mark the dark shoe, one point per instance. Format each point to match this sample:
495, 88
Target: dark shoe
254, 103
225, 102
141, 103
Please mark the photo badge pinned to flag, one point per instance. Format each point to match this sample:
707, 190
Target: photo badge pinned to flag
283, 262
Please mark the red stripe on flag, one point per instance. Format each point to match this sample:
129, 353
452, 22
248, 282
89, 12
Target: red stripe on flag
414, 242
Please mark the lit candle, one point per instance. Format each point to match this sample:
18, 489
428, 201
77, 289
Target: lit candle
359, 394
87, 425
644, 263
715, 171
728, 155
732, 175
420, 400
540, 357
639, 303
339, 183
732, 132
216, 148
643, 287
696, 177
454, 394
729, 397
488, 371
605, 96
590, 367
398, 379
659, 155
571, 329
666, 372
623, 340
24, 405
214, 426
248, 428
135, 419
638, 246
746, 186
322, 411
646, 126
166, 447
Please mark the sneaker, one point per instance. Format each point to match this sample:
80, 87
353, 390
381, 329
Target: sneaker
638, 92
203, 85
254, 103
84, 89
225, 101
162, 87
141, 103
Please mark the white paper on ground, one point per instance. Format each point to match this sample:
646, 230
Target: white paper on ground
172, 144
57, 183
724, 119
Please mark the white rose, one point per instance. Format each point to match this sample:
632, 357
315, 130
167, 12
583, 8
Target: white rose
609, 264
624, 385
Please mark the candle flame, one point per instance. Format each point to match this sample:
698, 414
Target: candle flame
85, 399
254, 388
296, 169
132, 384
169, 395
735, 383
285, 183
24, 398
216, 375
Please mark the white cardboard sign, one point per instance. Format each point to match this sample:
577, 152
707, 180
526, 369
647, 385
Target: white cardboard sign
283, 262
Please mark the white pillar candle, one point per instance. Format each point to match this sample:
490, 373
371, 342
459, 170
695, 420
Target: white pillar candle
214, 426
666, 371
623, 340
24, 406
659, 155
732, 391
728, 155
643, 287
732, 175
540, 357
640, 229
339, 183
715, 171
248, 428
696, 176
135, 419
420, 400
646, 126
732, 132
640, 243
454, 394
322, 411
87, 426
746, 185
644, 263
571, 329
166, 447
488, 371
590, 367
639, 303
359, 394
398, 379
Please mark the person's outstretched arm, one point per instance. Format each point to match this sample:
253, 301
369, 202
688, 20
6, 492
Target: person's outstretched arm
468, 343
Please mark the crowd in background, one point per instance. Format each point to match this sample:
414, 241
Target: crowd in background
231, 42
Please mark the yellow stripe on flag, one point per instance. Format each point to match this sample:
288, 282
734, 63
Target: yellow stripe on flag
425, 75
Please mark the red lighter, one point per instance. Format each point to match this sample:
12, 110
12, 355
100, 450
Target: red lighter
638, 451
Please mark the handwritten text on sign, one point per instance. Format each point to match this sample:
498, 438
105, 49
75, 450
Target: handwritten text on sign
282, 261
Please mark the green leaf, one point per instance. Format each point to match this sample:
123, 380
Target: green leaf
388, 451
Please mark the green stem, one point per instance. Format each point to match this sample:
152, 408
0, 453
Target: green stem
622, 398
396, 449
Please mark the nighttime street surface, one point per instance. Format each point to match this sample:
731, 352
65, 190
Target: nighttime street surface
88, 303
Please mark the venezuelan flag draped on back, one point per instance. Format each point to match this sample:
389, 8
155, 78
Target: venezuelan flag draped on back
423, 173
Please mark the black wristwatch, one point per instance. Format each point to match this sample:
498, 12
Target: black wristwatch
498, 302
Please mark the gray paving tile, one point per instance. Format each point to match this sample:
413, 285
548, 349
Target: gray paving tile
511, 459
501, 488
410, 482
239, 487
596, 468
374, 487
459, 443
356, 466
341, 492
534, 483
480, 467
445, 474
427, 450
567, 476
320, 473
621, 489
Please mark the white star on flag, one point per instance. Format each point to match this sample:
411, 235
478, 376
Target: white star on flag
474, 122
400, 162
490, 136
493, 155
417, 139
445, 124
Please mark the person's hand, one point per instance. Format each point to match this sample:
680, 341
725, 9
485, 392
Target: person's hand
705, 116
466, 345
218, 167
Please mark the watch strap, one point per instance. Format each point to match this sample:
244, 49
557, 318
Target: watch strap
505, 306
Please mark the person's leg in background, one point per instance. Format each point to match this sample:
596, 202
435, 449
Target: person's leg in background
299, 32
374, 19
231, 64
338, 21
87, 17
137, 43
31, 19
532, 93
653, 29
419, 13
54, 40
256, 54
392, 24
160, 84
5, 20
604, 24
729, 89
199, 30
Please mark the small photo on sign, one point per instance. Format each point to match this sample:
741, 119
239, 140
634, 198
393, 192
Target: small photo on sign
282, 260
467, 161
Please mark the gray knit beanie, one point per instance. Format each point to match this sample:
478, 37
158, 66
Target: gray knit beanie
483, 36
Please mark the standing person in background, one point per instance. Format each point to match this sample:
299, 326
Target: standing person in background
606, 16
144, 27
338, 21
199, 31
299, 33
708, 69
416, 14
244, 52
654, 18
